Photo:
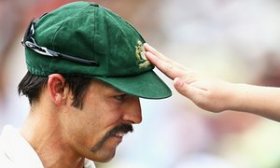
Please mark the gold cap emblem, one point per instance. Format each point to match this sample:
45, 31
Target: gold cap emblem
140, 55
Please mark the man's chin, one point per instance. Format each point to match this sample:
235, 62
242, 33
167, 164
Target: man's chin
104, 157
106, 150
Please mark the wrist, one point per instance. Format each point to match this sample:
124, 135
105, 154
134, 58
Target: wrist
232, 96
238, 96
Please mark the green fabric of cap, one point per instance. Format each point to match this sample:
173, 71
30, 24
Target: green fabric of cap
90, 31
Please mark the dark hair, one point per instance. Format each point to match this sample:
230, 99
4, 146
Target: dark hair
32, 85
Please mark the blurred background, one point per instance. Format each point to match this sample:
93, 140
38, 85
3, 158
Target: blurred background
235, 40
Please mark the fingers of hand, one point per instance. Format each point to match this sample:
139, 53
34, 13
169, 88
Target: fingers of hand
149, 48
161, 57
169, 69
164, 64
156, 57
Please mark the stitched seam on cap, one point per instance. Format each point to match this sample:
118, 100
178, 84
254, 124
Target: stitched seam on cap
58, 30
76, 14
94, 36
110, 49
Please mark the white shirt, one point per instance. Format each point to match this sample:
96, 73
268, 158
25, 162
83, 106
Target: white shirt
16, 152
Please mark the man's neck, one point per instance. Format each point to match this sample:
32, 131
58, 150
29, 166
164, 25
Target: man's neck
44, 135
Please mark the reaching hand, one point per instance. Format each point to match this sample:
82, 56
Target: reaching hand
217, 95
211, 95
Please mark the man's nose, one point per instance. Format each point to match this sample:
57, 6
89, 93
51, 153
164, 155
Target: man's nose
132, 111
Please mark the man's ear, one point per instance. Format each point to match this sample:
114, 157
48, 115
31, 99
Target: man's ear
57, 89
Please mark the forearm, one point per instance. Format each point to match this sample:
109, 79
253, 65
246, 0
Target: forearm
259, 100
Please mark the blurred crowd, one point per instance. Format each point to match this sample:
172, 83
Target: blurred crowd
237, 40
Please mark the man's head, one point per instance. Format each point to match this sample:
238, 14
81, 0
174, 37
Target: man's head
85, 38
90, 64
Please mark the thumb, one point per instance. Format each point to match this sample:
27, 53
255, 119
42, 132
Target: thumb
181, 86
193, 93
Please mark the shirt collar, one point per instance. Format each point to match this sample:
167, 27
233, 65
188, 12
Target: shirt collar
20, 153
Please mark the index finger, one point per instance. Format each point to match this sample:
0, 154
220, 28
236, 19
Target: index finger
167, 66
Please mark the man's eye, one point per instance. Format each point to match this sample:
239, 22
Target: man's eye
120, 97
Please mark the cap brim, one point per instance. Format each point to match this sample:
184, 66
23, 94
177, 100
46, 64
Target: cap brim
146, 85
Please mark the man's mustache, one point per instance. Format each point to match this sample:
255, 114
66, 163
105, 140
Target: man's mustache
122, 128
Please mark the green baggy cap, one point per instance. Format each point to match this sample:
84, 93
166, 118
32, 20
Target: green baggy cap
88, 39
